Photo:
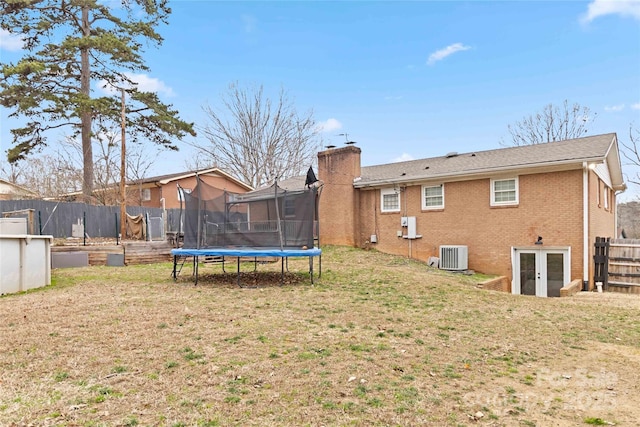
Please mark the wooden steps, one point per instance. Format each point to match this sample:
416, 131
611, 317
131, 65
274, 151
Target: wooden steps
147, 252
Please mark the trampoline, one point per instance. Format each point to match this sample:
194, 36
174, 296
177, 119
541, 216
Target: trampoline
254, 253
266, 223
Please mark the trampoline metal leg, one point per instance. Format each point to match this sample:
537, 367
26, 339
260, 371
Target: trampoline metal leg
175, 262
195, 264
239, 273
282, 270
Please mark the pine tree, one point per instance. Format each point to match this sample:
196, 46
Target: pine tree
70, 47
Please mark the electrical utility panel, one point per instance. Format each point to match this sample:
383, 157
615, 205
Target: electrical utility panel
412, 230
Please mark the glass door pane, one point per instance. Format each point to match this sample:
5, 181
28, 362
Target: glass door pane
555, 274
527, 273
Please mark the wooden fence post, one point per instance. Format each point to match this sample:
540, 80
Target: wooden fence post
601, 261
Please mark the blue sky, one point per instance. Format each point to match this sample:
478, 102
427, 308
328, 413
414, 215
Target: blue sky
403, 79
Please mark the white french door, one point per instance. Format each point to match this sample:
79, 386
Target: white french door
541, 272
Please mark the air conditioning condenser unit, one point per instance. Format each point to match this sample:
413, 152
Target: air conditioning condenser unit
454, 257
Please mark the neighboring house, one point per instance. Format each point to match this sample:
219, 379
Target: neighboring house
162, 191
150, 192
530, 213
9, 191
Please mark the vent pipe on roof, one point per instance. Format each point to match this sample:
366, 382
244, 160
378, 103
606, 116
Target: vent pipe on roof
451, 154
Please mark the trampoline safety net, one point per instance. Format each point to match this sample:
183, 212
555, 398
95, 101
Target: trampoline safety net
266, 218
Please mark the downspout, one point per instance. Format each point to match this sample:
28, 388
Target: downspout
406, 214
164, 218
585, 225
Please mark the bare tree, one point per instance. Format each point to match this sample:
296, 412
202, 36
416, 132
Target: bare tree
632, 153
197, 163
68, 46
553, 123
257, 139
12, 172
106, 149
48, 175
106, 162
139, 161
61, 172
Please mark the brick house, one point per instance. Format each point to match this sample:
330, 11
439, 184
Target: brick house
150, 192
529, 213
154, 191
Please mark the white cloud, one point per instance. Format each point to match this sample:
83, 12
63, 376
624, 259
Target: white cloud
10, 42
599, 8
618, 107
635, 106
329, 125
150, 84
404, 157
144, 83
439, 55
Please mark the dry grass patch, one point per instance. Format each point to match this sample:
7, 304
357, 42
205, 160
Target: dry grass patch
378, 340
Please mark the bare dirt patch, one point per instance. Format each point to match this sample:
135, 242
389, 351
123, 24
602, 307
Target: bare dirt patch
377, 340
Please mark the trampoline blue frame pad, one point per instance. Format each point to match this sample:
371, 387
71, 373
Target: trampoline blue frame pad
248, 252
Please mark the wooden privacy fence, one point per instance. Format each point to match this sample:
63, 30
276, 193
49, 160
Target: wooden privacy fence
601, 261
624, 265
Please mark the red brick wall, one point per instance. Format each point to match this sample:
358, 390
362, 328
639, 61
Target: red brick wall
601, 219
550, 205
337, 168
500, 284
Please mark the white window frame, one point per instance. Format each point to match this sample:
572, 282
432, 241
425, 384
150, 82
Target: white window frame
386, 192
424, 197
607, 194
145, 194
508, 202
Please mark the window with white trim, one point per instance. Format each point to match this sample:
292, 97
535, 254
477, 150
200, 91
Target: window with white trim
433, 197
607, 194
389, 200
145, 194
504, 192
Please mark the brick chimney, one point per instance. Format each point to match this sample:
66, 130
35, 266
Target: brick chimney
337, 168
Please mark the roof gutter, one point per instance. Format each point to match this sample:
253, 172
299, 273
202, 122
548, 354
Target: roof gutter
613, 156
476, 174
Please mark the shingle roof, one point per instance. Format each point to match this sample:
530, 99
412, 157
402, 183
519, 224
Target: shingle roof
573, 151
164, 179
294, 183
17, 187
